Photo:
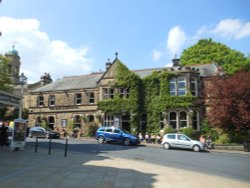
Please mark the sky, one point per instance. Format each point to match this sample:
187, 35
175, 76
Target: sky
70, 38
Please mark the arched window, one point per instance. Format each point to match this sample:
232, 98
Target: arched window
91, 118
77, 121
183, 119
173, 119
195, 120
38, 121
108, 120
51, 121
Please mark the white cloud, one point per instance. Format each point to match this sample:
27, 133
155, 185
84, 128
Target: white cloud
176, 39
156, 55
39, 53
232, 28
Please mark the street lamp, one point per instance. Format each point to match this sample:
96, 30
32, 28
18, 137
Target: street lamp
22, 81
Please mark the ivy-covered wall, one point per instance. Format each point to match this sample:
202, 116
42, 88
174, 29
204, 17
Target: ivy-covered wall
149, 95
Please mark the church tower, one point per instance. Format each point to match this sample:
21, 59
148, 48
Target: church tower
14, 65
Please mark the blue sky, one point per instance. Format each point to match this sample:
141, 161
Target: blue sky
77, 37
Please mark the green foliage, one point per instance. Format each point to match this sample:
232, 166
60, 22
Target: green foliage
193, 134
91, 128
5, 82
206, 51
223, 139
208, 130
168, 130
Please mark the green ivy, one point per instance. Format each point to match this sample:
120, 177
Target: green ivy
149, 95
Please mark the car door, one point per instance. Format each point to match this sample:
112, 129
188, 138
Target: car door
183, 141
117, 135
108, 134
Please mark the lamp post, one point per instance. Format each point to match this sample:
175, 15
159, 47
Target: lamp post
22, 81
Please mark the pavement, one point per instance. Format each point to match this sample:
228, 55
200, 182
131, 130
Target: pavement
29, 169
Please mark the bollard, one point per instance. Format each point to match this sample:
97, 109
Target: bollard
36, 144
49, 146
66, 147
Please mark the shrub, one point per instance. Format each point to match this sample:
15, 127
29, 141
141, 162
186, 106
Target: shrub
169, 130
223, 139
194, 134
91, 129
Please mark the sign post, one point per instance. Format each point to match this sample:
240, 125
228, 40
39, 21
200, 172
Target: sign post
18, 135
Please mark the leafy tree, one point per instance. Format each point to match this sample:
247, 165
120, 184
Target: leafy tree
228, 99
5, 82
206, 51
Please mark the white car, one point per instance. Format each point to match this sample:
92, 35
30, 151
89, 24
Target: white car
176, 140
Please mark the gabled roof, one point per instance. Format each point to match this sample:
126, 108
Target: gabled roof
72, 82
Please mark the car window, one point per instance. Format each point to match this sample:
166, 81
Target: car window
117, 131
101, 130
109, 130
182, 137
171, 136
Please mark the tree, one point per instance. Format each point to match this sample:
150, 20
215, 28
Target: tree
206, 51
5, 82
228, 100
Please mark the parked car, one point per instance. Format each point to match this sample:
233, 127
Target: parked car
176, 140
111, 134
41, 132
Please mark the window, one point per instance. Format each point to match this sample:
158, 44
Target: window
52, 100
90, 118
38, 121
108, 120
91, 97
181, 137
109, 130
178, 87
40, 102
78, 98
124, 92
173, 87
171, 136
181, 86
173, 120
193, 87
161, 121
195, 120
108, 93
183, 119
77, 121
117, 131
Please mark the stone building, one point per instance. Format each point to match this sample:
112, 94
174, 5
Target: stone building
73, 99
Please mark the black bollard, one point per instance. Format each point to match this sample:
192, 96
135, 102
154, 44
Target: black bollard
66, 147
49, 146
36, 144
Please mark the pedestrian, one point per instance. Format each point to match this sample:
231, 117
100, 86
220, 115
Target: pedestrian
140, 136
4, 135
203, 140
147, 138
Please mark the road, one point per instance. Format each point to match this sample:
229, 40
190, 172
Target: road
235, 166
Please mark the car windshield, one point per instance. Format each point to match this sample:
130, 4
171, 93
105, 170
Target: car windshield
124, 131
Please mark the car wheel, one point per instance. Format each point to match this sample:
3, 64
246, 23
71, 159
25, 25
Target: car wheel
100, 139
196, 148
126, 142
166, 146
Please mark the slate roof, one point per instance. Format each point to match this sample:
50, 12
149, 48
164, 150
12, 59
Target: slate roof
90, 81
72, 82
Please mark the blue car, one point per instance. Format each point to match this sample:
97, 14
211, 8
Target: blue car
111, 134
